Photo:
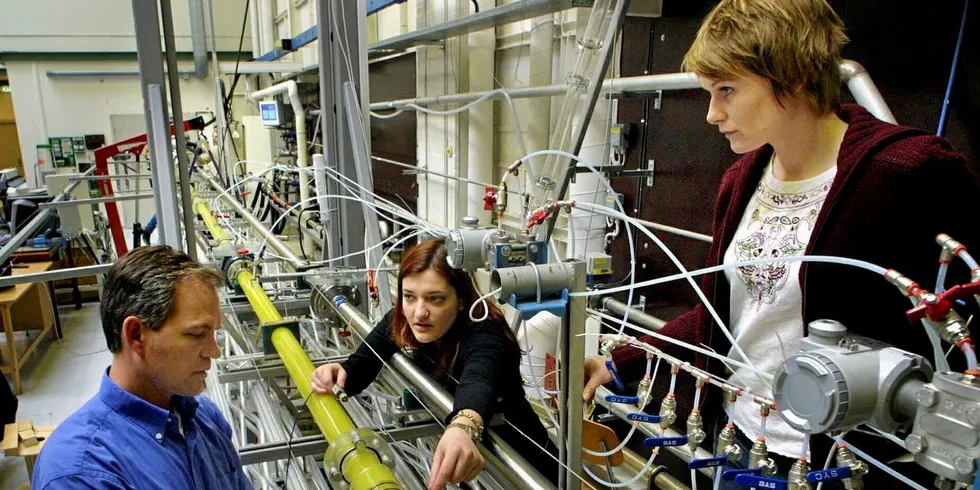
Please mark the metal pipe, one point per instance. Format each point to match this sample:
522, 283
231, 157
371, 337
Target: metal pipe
676, 231
857, 78
362, 467
573, 343
273, 241
507, 465
204, 211
102, 73
639, 316
55, 275
199, 42
108, 177
646, 83
864, 90
183, 165
653, 430
94, 200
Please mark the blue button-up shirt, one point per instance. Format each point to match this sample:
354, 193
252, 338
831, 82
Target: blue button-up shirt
119, 441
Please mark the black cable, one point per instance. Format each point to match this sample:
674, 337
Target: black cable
476, 6
289, 443
299, 227
238, 59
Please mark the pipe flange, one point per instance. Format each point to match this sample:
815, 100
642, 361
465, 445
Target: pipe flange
360, 439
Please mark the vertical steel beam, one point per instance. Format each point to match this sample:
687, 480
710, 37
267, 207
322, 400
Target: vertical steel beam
150, 54
573, 344
343, 59
332, 146
183, 167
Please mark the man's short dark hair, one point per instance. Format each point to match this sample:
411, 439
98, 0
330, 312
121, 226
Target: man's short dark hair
143, 284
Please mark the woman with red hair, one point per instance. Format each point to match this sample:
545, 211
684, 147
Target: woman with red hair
478, 362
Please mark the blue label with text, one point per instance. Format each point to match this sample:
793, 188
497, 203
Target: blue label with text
731, 474
628, 400
831, 474
643, 417
665, 441
697, 464
761, 483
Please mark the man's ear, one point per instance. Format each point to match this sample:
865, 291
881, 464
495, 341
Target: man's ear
133, 334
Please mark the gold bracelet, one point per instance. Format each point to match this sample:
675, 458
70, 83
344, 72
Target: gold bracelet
469, 417
475, 434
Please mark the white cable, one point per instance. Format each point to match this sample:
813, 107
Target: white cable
825, 259
674, 341
486, 308
722, 325
636, 478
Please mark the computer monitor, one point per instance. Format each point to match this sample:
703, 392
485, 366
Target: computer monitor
22, 212
270, 111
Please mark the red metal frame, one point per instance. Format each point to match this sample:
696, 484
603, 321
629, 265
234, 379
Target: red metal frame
135, 146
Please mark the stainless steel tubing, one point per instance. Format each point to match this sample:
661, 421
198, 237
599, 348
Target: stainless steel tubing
638, 316
865, 91
507, 465
273, 241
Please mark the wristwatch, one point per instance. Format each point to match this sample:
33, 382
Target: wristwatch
471, 431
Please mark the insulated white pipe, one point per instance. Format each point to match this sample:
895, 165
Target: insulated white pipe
253, 17
479, 166
302, 155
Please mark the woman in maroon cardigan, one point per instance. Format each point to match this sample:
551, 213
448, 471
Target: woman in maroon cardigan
816, 177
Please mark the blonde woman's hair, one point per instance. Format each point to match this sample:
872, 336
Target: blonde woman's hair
795, 44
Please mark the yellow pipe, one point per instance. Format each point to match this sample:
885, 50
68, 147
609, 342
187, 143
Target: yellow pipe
201, 206
361, 468
263, 306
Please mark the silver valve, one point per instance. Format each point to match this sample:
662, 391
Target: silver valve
695, 430
643, 392
759, 457
608, 343
645, 389
726, 443
668, 409
797, 475
858, 468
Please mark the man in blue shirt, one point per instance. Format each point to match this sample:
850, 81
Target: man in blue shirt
147, 428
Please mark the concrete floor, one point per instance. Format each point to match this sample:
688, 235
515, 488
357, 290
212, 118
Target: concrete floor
58, 379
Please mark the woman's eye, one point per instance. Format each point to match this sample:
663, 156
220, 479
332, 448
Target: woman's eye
408, 298
437, 299
726, 91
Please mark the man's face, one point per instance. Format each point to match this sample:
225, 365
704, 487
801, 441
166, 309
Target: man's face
178, 355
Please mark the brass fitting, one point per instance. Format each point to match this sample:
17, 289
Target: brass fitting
695, 430
759, 458
726, 443
668, 409
797, 475
858, 468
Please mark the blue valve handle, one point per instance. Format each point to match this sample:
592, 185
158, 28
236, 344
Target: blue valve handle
731, 474
612, 370
761, 482
665, 441
626, 400
697, 464
830, 474
643, 417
